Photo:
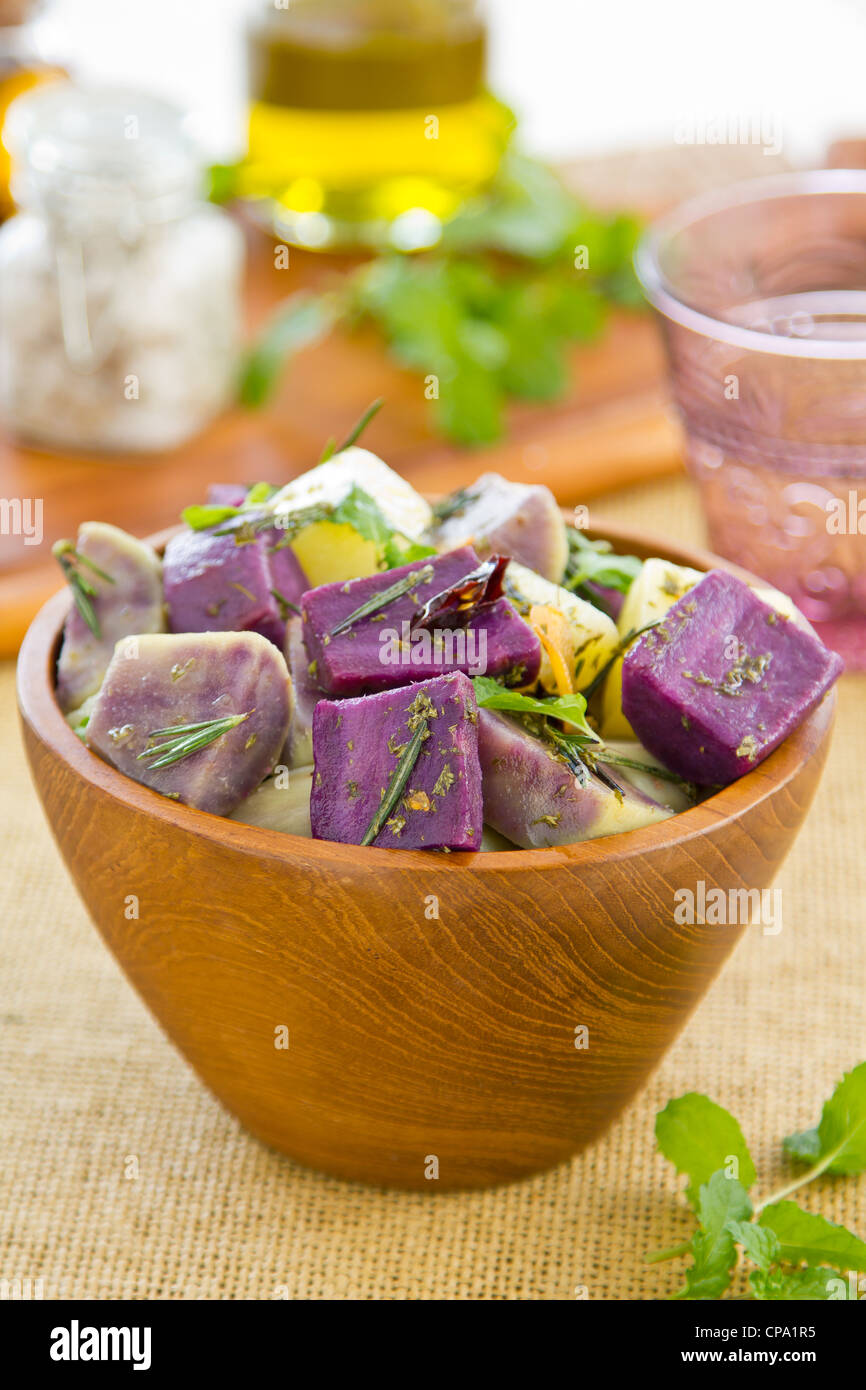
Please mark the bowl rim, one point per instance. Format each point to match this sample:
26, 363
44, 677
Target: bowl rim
39, 709
806, 183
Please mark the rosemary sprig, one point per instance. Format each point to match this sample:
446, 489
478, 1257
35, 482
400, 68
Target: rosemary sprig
394, 591
601, 753
332, 448
620, 648
453, 504
399, 777
183, 739
285, 605
83, 592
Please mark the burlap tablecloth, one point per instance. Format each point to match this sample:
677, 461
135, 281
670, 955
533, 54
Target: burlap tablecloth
93, 1093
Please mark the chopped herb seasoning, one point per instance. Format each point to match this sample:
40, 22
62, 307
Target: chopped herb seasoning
444, 781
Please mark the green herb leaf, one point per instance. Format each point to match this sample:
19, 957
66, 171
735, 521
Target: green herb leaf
721, 1201
302, 320
594, 562
571, 708
181, 740
799, 1285
358, 509
399, 550
698, 1137
380, 600
803, 1235
760, 1245
838, 1143
258, 493
201, 517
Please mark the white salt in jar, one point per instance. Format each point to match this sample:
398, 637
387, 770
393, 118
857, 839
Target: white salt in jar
119, 285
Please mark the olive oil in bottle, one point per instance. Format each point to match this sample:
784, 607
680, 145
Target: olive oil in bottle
369, 120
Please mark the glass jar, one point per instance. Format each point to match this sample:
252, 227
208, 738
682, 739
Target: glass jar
25, 61
119, 285
369, 119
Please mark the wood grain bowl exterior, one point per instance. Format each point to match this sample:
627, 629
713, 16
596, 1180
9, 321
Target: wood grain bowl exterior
411, 1036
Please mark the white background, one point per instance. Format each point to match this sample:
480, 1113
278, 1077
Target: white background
585, 77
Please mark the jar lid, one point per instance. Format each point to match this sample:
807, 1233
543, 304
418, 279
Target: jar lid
87, 140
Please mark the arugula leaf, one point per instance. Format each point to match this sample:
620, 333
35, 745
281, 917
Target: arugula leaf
399, 550
803, 1235
698, 1137
200, 517
301, 320
572, 708
799, 1285
721, 1201
760, 1245
595, 562
838, 1142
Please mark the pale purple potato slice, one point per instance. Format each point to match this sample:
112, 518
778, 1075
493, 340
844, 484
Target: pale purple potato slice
357, 745
722, 681
133, 603
498, 517
374, 653
212, 584
180, 679
299, 744
532, 798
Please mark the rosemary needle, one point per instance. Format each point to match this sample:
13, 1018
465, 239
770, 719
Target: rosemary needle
399, 777
183, 739
384, 597
83, 592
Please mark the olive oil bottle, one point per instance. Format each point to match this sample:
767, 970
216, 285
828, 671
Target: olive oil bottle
369, 119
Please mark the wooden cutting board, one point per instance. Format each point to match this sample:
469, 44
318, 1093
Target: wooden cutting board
613, 428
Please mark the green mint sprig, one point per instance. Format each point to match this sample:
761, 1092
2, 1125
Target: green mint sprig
790, 1253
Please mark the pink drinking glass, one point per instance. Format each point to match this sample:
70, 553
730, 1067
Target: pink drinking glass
761, 291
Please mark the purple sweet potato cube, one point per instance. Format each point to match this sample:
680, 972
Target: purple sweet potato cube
381, 651
357, 746
722, 681
212, 584
179, 679
288, 581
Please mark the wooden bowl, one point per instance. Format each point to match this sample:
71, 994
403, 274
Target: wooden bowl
424, 1051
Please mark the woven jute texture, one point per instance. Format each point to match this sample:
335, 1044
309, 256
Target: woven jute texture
121, 1178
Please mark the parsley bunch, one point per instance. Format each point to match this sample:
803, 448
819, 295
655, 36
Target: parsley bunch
485, 318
